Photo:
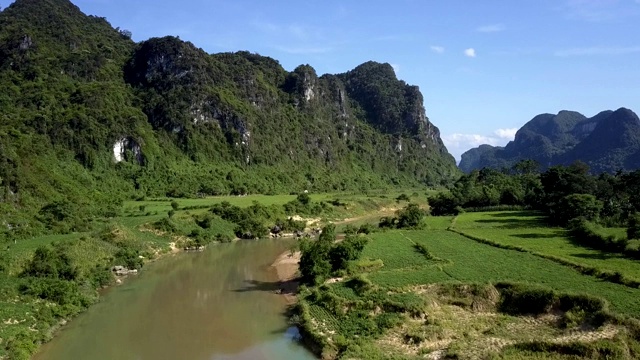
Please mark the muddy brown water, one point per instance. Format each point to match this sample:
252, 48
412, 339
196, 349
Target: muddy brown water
216, 304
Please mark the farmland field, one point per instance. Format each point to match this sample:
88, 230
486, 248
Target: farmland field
475, 262
132, 236
526, 230
451, 302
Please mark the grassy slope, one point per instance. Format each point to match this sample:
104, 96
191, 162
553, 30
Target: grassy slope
525, 229
474, 262
331, 312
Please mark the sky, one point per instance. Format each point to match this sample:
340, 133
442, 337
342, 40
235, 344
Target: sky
484, 67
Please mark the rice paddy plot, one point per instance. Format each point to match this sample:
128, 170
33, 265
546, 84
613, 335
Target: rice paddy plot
526, 230
471, 261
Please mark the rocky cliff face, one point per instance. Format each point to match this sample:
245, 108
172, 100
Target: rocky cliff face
83, 102
606, 142
247, 98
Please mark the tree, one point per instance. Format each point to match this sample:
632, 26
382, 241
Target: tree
125, 33
304, 199
315, 265
526, 167
251, 228
411, 216
328, 233
347, 250
559, 182
578, 205
633, 227
443, 204
54, 263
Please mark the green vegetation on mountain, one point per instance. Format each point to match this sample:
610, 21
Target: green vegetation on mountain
110, 152
88, 118
607, 142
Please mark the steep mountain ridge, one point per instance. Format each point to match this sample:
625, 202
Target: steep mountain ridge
605, 142
89, 117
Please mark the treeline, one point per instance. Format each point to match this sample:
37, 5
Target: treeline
569, 195
224, 221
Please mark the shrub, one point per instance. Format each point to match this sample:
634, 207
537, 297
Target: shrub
387, 222
350, 230
347, 250
443, 204
250, 228
577, 205
366, 229
48, 262
223, 238
523, 300
291, 225
410, 217
586, 233
62, 292
315, 266
633, 227
128, 257
100, 276
165, 225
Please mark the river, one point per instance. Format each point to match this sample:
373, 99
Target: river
215, 304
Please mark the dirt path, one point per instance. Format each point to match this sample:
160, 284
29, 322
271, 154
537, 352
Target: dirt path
373, 215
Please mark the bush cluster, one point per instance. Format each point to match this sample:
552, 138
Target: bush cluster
324, 257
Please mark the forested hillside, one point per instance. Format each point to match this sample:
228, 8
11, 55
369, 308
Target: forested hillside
89, 118
607, 142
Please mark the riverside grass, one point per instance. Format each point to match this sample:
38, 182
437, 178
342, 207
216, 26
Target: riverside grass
133, 227
360, 321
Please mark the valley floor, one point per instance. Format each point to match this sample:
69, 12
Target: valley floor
469, 299
26, 319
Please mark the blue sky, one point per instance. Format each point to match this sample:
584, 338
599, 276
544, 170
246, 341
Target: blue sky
484, 67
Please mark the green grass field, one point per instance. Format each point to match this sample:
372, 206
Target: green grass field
526, 229
414, 305
475, 262
358, 204
18, 253
132, 227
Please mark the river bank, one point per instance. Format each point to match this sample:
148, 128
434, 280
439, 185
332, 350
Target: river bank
286, 267
218, 303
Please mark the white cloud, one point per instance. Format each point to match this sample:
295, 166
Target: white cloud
507, 134
470, 52
598, 51
459, 143
491, 28
468, 140
439, 49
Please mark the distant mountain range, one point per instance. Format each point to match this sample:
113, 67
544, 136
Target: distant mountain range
607, 142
